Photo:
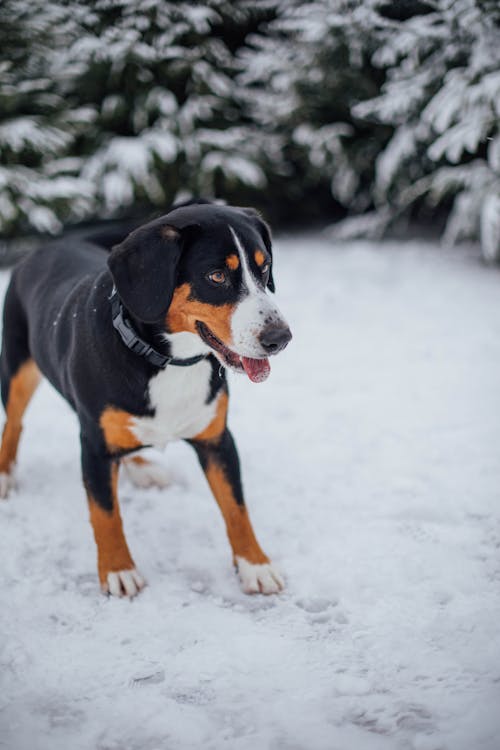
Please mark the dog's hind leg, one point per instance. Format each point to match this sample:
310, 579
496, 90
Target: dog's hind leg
19, 390
145, 473
19, 379
117, 573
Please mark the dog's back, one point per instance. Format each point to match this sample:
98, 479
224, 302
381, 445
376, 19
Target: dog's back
43, 286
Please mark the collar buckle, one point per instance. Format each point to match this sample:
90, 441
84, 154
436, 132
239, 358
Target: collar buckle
123, 325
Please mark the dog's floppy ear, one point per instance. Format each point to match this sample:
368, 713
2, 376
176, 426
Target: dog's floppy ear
144, 269
265, 232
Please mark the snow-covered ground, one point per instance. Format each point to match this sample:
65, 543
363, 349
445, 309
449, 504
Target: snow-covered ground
371, 462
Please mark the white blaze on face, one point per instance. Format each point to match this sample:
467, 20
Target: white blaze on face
254, 312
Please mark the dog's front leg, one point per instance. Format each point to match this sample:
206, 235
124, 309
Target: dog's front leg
219, 460
117, 572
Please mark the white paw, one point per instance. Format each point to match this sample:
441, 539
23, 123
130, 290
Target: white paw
146, 473
7, 483
259, 579
124, 583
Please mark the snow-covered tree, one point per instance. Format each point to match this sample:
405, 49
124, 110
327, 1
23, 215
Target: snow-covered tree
372, 109
39, 183
395, 104
301, 79
160, 77
442, 98
141, 95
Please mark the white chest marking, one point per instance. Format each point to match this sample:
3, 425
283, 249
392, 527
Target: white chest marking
178, 395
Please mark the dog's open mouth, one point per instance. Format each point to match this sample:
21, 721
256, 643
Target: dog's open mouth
256, 369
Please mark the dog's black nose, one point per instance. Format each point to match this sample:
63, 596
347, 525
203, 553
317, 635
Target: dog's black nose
274, 338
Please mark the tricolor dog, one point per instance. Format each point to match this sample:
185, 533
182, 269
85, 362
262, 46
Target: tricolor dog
137, 341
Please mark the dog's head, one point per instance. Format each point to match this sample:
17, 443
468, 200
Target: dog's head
203, 272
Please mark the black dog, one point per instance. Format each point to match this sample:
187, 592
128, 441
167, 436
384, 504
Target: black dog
135, 345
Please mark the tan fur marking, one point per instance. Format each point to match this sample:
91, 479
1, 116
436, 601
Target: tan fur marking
138, 460
218, 423
259, 257
116, 426
22, 386
232, 262
169, 233
112, 551
239, 529
184, 312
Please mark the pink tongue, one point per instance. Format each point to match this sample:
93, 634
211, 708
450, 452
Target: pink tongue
256, 369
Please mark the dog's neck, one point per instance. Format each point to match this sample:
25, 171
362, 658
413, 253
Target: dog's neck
181, 347
185, 344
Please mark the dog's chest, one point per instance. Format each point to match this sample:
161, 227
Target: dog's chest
178, 395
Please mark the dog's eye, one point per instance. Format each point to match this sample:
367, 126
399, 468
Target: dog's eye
217, 277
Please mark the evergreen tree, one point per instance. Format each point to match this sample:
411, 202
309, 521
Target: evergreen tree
39, 184
442, 98
302, 79
372, 109
394, 104
160, 75
142, 95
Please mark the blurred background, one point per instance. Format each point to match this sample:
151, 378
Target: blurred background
369, 116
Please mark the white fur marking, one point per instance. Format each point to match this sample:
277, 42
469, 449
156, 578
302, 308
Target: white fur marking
259, 579
248, 277
124, 583
146, 473
185, 344
253, 313
7, 483
178, 395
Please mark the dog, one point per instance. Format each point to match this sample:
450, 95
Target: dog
138, 340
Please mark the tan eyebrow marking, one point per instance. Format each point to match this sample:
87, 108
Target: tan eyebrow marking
232, 262
260, 258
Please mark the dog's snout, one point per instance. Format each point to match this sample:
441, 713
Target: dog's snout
274, 338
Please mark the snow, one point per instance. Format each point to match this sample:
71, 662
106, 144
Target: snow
234, 165
398, 150
490, 228
26, 132
372, 472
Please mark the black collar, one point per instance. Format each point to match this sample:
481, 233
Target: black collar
132, 340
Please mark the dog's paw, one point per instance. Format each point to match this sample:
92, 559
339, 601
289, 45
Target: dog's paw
259, 579
145, 474
123, 583
7, 483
